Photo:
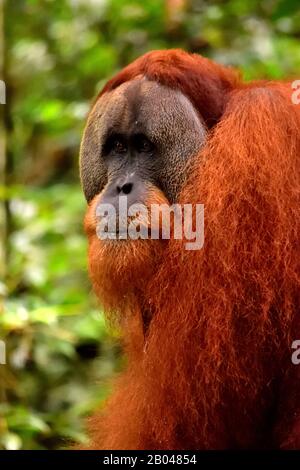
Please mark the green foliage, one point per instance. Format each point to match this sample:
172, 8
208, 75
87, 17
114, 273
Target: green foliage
56, 336
59, 53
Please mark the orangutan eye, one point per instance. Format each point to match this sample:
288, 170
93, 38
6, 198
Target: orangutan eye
142, 144
118, 145
115, 144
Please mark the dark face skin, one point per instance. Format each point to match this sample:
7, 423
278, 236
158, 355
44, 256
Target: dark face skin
139, 135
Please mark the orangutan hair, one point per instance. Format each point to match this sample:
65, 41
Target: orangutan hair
207, 333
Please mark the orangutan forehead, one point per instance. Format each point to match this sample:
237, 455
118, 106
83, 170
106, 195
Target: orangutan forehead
143, 106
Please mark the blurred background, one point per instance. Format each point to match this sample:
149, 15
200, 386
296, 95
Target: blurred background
55, 55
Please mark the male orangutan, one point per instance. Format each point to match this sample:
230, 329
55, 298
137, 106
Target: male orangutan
207, 332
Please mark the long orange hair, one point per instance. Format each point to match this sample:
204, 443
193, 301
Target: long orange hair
211, 370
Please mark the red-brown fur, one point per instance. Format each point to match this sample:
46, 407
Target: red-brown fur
214, 369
